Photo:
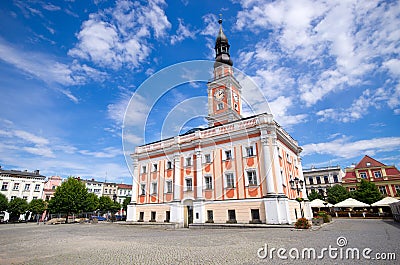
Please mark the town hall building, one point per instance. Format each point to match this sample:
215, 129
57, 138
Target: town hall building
237, 170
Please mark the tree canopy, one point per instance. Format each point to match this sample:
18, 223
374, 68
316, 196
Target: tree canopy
3, 202
125, 203
314, 195
367, 192
91, 203
108, 205
16, 207
70, 197
337, 194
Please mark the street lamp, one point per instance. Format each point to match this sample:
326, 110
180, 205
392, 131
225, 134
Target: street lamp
297, 184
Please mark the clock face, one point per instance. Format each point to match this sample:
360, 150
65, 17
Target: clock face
219, 94
235, 97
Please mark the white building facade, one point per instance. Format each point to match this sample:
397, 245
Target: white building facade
235, 171
21, 184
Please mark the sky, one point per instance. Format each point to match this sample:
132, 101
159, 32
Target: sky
329, 70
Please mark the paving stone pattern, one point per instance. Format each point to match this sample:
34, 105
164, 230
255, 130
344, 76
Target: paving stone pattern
107, 243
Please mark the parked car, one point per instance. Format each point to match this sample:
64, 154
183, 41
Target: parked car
120, 218
99, 218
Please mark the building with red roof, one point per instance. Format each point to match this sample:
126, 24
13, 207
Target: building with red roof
385, 177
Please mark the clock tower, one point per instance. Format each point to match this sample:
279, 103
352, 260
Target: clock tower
224, 91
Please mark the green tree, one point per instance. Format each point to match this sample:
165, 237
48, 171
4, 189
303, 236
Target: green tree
37, 207
125, 203
337, 194
314, 195
367, 192
91, 202
106, 204
16, 207
3, 202
69, 197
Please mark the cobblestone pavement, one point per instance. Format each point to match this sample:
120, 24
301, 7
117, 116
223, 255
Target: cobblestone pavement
124, 244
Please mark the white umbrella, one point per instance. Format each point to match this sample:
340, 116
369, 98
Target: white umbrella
318, 203
385, 202
350, 203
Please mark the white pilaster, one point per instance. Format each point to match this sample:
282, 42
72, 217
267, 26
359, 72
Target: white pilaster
199, 175
199, 212
177, 178
177, 214
267, 165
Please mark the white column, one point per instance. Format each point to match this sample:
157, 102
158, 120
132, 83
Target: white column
199, 175
135, 180
277, 168
131, 209
177, 178
268, 167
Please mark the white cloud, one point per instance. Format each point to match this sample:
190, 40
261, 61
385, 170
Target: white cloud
279, 108
359, 107
328, 46
119, 36
344, 148
183, 32
108, 152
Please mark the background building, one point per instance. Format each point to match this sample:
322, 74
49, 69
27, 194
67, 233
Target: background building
386, 178
22, 184
50, 187
319, 179
94, 186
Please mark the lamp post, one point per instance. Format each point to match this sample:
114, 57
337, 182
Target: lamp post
297, 184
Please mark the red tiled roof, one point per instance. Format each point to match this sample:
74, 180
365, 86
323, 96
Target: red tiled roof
367, 159
124, 186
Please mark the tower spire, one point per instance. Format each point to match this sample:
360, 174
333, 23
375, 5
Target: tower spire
222, 47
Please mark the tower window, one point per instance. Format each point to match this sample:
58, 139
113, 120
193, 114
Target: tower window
228, 155
220, 106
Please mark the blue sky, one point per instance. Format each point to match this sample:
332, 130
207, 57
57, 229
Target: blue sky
68, 69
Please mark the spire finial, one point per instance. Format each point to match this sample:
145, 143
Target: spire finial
220, 19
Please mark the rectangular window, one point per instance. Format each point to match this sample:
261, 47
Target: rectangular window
207, 158
210, 216
25, 198
169, 186
230, 180
228, 155
37, 187
13, 197
252, 177
311, 180
141, 216
231, 215
144, 169
189, 184
255, 215
154, 188
288, 158
318, 180
4, 186
352, 189
143, 189
220, 106
249, 151
382, 189
335, 179
188, 161
154, 167
208, 180
105, 190
169, 165
326, 179
363, 175
16, 186
153, 217
397, 187
167, 216
27, 186
377, 174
